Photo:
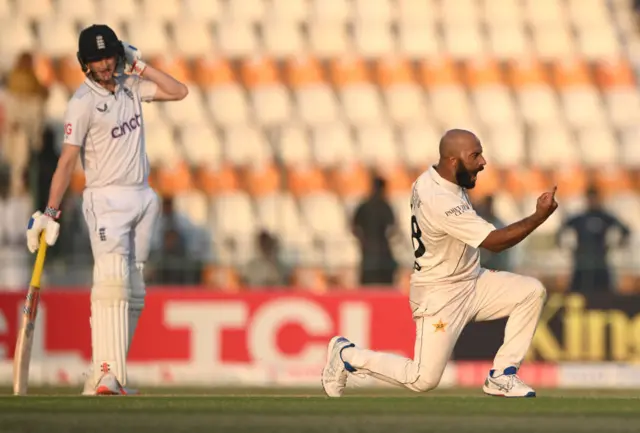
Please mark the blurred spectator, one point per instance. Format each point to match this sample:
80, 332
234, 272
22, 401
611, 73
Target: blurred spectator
266, 269
171, 264
25, 106
592, 229
496, 261
15, 210
172, 260
373, 224
197, 239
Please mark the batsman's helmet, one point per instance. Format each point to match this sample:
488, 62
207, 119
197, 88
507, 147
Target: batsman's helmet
98, 42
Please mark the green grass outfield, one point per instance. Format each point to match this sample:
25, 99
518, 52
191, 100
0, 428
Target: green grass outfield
295, 410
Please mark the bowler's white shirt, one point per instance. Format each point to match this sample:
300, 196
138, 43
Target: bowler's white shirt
109, 128
451, 232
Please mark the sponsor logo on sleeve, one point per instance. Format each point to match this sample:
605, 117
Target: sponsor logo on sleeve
458, 210
68, 129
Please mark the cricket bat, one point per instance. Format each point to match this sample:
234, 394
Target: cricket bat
24, 344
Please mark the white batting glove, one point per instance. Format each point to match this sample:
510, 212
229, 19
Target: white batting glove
133, 57
37, 223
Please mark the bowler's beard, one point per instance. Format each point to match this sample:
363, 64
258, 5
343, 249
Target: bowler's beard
465, 178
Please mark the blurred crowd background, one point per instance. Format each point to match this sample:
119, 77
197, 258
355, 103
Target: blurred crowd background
291, 161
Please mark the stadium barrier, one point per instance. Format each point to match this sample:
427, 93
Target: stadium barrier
278, 338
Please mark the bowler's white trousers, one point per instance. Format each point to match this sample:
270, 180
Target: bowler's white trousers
441, 314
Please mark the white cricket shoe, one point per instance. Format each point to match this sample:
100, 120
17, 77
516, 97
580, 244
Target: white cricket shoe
507, 384
91, 388
334, 373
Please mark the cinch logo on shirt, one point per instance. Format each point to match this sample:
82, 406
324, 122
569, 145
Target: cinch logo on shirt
126, 127
458, 210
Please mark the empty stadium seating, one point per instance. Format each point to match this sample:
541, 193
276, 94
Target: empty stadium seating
294, 103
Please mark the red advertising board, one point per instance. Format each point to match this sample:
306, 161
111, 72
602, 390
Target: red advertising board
196, 336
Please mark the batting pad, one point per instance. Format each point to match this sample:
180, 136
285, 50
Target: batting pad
110, 316
136, 301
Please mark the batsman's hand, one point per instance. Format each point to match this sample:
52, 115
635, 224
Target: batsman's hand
547, 204
37, 223
133, 60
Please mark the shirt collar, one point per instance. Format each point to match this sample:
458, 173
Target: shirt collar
449, 186
99, 89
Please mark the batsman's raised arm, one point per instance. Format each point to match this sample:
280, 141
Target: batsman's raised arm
166, 87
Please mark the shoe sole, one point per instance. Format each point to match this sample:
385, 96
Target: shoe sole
491, 393
330, 347
103, 390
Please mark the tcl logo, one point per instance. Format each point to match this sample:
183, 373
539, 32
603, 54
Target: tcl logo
67, 129
126, 127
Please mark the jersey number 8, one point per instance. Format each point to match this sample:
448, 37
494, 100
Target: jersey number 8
416, 234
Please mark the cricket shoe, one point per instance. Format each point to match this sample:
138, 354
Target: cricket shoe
107, 385
507, 384
335, 371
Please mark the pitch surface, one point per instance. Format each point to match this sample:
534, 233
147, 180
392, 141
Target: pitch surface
273, 410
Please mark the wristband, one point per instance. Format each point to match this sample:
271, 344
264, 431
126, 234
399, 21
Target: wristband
138, 67
52, 213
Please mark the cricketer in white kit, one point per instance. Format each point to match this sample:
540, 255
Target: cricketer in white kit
449, 289
105, 127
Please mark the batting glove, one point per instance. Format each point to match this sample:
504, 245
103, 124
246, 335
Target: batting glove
133, 60
43, 221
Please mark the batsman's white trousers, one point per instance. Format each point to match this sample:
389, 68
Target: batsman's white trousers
121, 220
441, 316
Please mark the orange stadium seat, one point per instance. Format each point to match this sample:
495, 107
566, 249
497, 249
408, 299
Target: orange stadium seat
215, 180
69, 73
212, 71
521, 181
259, 71
481, 72
439, 72
350, 181
570, 73
393, 70
305, 180
302, 71
398, 179
175, 66
612, 74
572, 181
526, 72
174, 179
613, 181
262, 180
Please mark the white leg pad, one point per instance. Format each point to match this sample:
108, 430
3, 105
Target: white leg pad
110, 316
136, 301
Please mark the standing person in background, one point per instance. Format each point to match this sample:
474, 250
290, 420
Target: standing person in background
373, 223
26, 98
266, 269
591, 271
104, 126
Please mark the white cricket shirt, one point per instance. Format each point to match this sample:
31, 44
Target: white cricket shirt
110, 129
446, 232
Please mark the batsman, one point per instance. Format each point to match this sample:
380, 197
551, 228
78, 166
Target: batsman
449, 289
104, 125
